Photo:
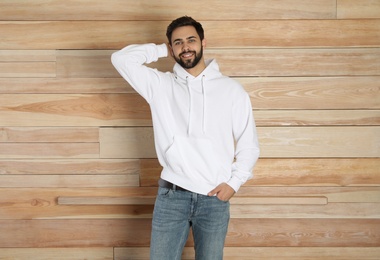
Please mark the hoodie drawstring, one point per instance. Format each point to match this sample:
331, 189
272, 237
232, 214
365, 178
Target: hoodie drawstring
190, 106
190, 103
204, 106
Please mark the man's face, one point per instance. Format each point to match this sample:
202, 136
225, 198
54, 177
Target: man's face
187, 47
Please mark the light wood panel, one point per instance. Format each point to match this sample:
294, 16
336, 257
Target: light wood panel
166, 10
27, 69
48, 134
49, 150
73, 110
242, 232
348, 9
266, 253
42, 181
135, 202
57, 253
69, 166
117, 34
27, 55
275, 142
242, 62
64, 86
295, 172
132, 110
313, 92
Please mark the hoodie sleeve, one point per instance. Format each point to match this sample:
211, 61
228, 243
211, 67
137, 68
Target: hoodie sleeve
247, 145
129, 62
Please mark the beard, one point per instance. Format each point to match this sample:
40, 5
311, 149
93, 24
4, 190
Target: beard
189, 63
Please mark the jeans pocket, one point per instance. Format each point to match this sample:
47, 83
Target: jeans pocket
163, 191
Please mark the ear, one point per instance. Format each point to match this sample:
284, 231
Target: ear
170, 49
204, 41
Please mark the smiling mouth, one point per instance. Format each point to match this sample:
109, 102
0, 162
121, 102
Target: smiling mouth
187, 55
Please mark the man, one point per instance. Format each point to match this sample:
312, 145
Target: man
205, 140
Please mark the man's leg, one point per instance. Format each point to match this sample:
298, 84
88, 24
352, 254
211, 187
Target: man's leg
170, 225
210, 224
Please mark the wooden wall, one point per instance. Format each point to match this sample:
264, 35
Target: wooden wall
78, 170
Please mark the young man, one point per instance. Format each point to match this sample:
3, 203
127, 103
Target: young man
205, 140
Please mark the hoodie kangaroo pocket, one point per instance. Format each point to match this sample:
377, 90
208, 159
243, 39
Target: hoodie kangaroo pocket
194, 158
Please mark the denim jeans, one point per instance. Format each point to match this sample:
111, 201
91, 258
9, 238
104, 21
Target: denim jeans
175, 212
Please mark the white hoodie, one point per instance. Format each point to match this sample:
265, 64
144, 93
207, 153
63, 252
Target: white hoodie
203, 126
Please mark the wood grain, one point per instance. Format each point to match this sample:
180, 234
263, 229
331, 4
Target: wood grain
69, 166
275, 142
57, 253
48, 134
166, 10
349, 9
241, 62
112, 34
130, 109
73, 110
27, 69
52, 202
44, 181
64, 86
49, 150
294, 172
266, 253
242, 232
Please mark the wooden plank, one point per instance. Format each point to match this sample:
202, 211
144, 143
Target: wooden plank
329, 211
294, 172
64, 86
63, 181
74, 233
70, 166
57, 253
313, 92
166, 10
319, 142
241, 62
52, 35
333, 194
266, 253
265, 92
298, 62
350, 9
130, 109
38, 203
317, 117
27, 55
49, 150
73, 110
27, 69
48, 134
303, 232
275, 142
242, 232
131, 142
316, 172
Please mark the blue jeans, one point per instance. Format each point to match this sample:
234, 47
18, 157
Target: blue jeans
175, 212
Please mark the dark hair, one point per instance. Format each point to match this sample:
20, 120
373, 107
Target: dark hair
184, 21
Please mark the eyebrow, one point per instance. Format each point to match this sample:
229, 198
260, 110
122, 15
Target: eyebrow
188, 38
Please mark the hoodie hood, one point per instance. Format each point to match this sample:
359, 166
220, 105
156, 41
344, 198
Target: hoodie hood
197, 83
